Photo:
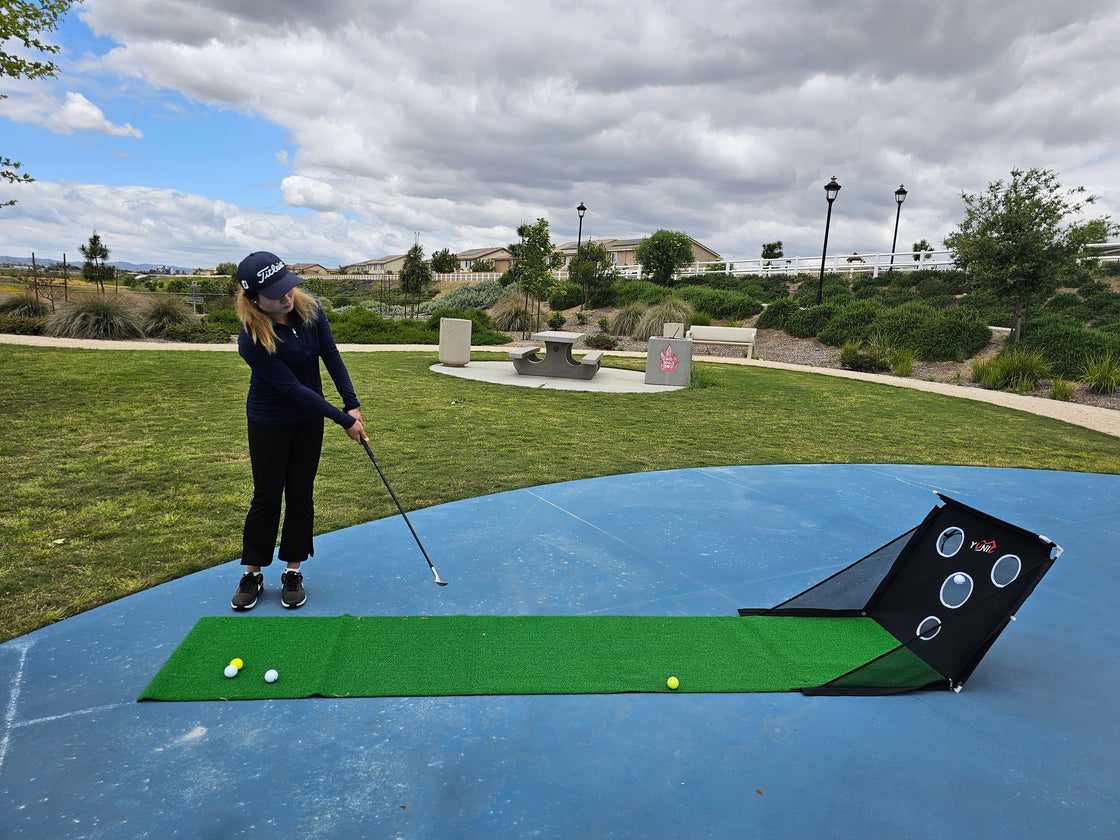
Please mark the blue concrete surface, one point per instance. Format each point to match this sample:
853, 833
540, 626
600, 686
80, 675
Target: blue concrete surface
1027, 749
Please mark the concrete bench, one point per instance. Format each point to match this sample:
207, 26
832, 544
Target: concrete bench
731, 336
524, 352
592, 358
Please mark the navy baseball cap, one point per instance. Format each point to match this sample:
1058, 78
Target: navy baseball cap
266, 274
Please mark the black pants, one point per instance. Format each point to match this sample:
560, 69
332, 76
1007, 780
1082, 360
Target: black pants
285, 459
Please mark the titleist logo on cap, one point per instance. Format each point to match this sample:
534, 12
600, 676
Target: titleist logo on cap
269, 270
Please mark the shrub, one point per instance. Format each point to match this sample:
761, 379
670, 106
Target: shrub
775, 315
601, 341
197, 332
360, 326
1067, 345
605, 324
1061, 389
654, 319
873, 357
97, 316
557, 320
626, 320
902, 324
162, 311
807, 323
581, 318
25, 305
720, 303
952, 335
835, 290
902, 362
569, 294
1014, 369
19, 325
640, 291
1102, 373
1104, 307
481, 295
225, 318
853, 322
510, 314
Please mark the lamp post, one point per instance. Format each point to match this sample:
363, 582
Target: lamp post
899, 197
830, 190
579, 236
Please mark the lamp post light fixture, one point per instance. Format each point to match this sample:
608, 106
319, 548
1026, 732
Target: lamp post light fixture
830, 190
899, 197
579, 236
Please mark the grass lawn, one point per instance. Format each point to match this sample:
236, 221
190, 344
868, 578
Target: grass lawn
120, 470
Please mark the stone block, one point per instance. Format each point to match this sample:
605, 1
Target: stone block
669, 361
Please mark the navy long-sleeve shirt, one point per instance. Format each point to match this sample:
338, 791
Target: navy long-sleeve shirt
286, 386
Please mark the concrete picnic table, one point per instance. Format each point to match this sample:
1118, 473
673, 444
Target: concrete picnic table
558, 359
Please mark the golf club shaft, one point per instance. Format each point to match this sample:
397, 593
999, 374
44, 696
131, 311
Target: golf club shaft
404, 515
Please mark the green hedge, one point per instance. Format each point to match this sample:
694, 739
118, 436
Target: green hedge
567, 295
808, 322
850, 323
719, 303
775, 315
19, 325
1068, 345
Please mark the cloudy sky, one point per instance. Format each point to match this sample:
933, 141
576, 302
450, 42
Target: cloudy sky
191, 132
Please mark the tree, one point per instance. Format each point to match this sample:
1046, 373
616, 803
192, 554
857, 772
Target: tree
23, 21
483, 265
538, 259
1016, 239
922, 250
662, 255
445, 262
94, 269
415, 274
593, 271
772, 250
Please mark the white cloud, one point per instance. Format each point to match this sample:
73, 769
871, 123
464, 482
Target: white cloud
79, 114
29, 104
723, 120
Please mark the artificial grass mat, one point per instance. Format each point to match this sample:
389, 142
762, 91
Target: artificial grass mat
408, 656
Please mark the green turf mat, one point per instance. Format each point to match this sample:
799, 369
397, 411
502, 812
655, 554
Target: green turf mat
391, 656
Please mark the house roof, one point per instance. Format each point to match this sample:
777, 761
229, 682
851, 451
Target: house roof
475, 253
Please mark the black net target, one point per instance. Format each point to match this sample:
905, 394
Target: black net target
945, 590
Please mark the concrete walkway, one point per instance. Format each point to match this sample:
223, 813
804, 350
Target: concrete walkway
1090, 417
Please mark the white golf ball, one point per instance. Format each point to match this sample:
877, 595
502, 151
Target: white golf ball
231, 671
959, 579
271, 676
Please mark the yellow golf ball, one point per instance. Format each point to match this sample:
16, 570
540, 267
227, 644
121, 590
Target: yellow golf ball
673, 683
237, 663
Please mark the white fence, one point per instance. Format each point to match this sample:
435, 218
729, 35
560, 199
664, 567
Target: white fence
850, 264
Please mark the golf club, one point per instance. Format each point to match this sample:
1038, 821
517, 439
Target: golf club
369, 452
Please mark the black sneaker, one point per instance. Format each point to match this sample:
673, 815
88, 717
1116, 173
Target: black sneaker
250, 588
293, 595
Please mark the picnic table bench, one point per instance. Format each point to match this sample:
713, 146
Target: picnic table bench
558, 360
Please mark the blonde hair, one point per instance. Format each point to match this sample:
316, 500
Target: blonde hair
259, 323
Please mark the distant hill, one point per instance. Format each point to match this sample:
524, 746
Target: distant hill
131, 268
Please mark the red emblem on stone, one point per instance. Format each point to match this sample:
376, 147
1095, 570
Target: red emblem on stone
668, 360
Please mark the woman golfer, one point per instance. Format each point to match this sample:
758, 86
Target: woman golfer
283, 335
